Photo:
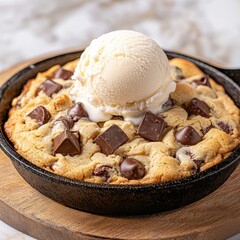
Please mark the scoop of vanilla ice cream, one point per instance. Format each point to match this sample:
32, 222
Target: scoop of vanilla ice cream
122, 73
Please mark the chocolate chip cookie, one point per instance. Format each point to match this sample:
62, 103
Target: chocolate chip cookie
198, 128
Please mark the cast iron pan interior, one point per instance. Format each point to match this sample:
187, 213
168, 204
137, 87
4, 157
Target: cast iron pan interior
117, 199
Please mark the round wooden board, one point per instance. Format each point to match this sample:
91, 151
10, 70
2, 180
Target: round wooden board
217, 216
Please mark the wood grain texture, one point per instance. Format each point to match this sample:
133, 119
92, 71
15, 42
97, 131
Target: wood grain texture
217, 216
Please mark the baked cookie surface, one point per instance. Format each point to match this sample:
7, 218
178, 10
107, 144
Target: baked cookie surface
199, 128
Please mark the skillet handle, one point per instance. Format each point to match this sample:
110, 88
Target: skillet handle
234, 74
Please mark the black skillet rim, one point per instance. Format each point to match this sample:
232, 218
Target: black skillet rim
10, 151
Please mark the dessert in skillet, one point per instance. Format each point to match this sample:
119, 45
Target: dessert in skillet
124, 114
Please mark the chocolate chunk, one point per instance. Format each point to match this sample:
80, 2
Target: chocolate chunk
49, 87
77, 112
225, 127
66, 143
131, 168
41, 114
111, 139
67, 122
202, 81
187, 136
102, 171
63, 74
168, 104
198, 107
151, 127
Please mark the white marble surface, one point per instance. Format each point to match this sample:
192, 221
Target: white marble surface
206, 28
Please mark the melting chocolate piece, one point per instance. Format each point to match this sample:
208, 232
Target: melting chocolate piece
77, 112
225, 127
151, 127
66, 143
102, 171
41, 114
131, 168
67, 122
168, 104
198, 163
49, 87
198, 107
111, 139
202, 81
188, 136
63, 74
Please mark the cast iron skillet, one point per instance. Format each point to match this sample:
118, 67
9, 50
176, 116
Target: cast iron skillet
118, 199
